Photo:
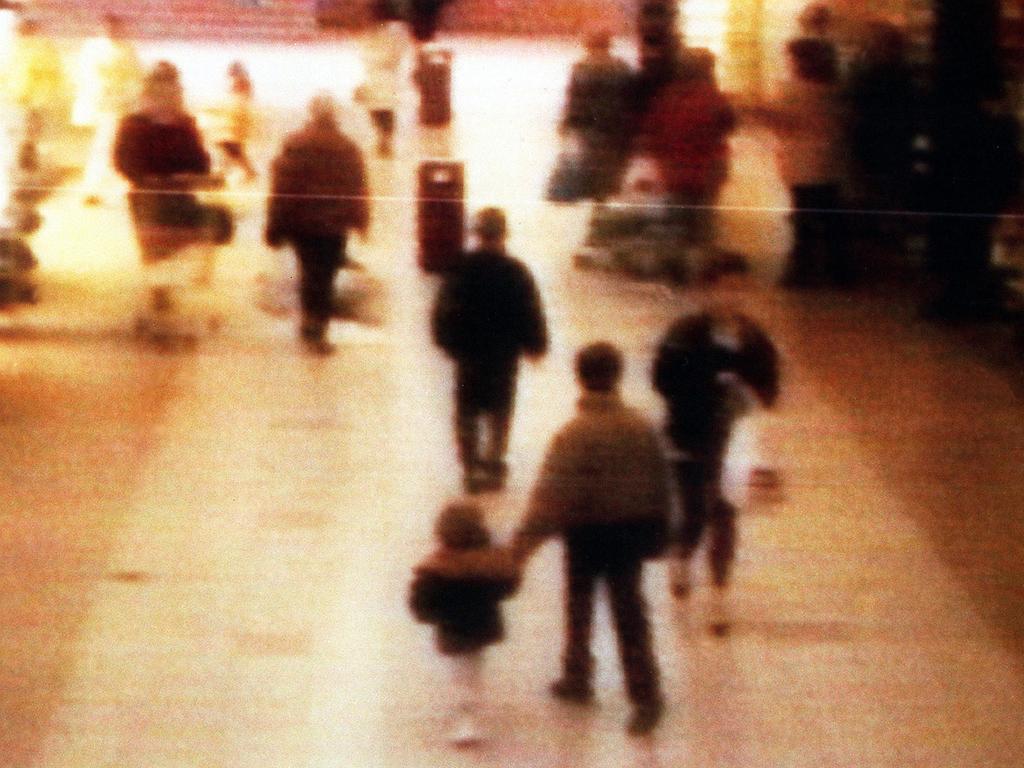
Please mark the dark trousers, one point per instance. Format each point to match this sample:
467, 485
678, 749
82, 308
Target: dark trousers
604, 552
819, 237
704, 510
319, 260
484, 392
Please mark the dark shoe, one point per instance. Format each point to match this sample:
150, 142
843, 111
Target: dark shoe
572, 691
319, 346
645, 717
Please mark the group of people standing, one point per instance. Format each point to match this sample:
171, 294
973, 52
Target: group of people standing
605, 487
844, 136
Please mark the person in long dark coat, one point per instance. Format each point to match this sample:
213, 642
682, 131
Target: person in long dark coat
487, 315
318, 193
700, 366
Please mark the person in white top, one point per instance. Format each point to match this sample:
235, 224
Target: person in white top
109, 80
806, 118
385, 51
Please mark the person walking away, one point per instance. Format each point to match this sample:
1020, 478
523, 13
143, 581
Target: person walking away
233, 121
458, 588
36, 84
385, 50
686, 130
705, 365
110, 77
597, 113
486, 316
159, 151
318, 194
806, 117
604, 490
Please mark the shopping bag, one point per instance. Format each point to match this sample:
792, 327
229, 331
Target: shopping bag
571, 179
359, 296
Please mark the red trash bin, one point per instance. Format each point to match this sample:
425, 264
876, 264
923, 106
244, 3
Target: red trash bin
434, 78
440, 214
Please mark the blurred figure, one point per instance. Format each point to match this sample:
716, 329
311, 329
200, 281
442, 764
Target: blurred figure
597, 113
487, 314
37, 86
457, 588
233, 122
603, 488
110, 77
159, 150
384, 53
883, 106
686, 130
424, 16
706, 364
318, 193
815, 25
806, 118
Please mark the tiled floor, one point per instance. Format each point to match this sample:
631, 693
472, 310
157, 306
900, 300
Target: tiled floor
205, 555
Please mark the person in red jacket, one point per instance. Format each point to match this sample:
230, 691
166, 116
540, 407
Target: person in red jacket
686, 130
318, 193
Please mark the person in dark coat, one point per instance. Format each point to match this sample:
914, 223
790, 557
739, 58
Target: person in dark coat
158, 149
487, 315
318, 193
598, 113
604, 489
703, 367
883, 106
457, 588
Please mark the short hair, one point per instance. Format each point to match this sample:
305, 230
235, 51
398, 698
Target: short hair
323, 109
460, 525
490, 223
599, 39
599, 366
814, 59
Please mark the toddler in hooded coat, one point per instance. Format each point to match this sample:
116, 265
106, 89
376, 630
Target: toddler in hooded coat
458, 588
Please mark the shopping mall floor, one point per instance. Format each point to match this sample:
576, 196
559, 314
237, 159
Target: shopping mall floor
206, 552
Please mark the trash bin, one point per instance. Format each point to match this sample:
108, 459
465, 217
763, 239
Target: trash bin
434, 78
440, 214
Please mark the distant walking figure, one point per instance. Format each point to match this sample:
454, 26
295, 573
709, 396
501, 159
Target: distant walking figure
487, 315
604, 489
318, 193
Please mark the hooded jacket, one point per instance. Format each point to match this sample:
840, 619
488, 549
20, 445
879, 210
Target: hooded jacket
458, 591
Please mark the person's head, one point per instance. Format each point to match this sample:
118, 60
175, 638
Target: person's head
598, 42
489, 226
815, 19
27, 26
384, 11
813, 60
239, 77
113, 26
460, 525
323, 110
162, 93
599, 367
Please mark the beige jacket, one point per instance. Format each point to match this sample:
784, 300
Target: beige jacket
605, 465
